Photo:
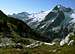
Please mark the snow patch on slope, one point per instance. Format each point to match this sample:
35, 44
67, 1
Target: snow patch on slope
73, 16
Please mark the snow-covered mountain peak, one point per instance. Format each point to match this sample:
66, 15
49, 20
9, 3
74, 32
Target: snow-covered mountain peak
62, 8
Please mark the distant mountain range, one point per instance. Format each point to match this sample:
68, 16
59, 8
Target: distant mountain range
60, 21
22, 15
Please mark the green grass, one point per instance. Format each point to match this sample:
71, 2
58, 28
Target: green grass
43, 49
9, 51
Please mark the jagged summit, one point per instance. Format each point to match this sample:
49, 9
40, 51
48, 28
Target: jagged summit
62, 8
58, 7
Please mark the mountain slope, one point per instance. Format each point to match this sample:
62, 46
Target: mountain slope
14, 28
13, 31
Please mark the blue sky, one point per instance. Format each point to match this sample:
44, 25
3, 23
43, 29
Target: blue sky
31, 6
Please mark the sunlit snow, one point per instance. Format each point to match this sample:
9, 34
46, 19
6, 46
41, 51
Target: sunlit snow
39, 16
73, 16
